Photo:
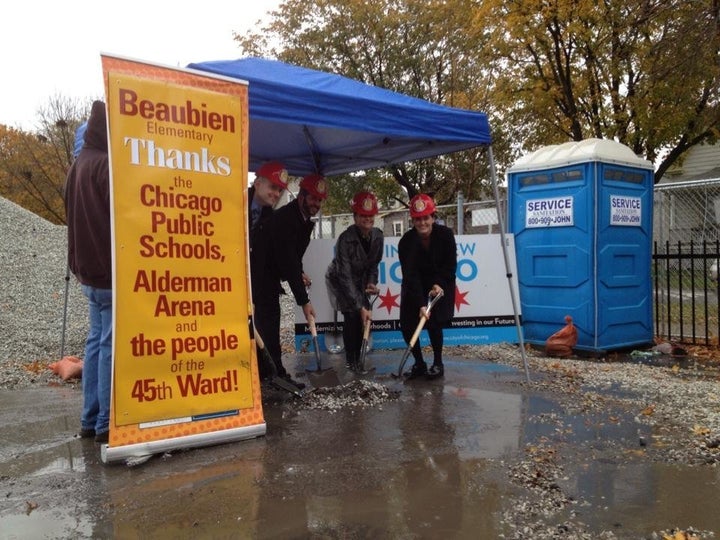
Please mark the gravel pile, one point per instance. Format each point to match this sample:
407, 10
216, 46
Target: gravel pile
33, 268
357, 393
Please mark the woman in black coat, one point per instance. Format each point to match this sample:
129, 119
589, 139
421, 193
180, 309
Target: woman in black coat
428, 259
353, 273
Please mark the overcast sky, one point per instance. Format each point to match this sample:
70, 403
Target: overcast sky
50, 47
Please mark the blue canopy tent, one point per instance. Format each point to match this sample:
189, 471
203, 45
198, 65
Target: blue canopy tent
317, 122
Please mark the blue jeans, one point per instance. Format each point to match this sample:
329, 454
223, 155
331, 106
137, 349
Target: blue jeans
97, 366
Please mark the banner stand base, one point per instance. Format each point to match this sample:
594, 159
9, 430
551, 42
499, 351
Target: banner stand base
109, 454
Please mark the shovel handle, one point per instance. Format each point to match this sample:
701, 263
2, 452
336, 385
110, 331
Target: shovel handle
428, 308
416, 334
316, 345
430, 303
258, 340
261, 345
265, 354
411, 343
371, 300
366, 330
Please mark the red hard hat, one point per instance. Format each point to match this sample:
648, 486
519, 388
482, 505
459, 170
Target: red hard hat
364, 203
315, 185
275, 172
421, 205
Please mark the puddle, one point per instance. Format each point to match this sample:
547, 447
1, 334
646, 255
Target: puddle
639, 498
45, 524
432, 464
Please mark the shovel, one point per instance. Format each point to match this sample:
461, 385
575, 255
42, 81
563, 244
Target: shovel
365, 339
320, 377
275, 378
431, 302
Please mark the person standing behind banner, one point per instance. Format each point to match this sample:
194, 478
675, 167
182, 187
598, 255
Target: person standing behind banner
428, 259
79, 139
353, 272
270, 182
87, 210
291, 230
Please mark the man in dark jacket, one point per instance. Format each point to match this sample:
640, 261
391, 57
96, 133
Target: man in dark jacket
428, 259
270, 182
290, 233
87, 208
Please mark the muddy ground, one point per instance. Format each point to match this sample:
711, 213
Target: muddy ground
587, 449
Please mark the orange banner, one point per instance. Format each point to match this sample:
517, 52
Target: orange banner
183, 361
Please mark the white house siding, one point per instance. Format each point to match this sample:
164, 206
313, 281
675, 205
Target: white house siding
700, 159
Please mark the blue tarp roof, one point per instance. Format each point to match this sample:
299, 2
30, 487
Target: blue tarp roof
314, 121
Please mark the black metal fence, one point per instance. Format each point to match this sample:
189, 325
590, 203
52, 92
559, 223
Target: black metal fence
685, 285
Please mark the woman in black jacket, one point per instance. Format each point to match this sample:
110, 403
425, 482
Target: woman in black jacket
428, 259
353, 273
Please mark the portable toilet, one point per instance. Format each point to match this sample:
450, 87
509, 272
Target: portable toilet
581, 214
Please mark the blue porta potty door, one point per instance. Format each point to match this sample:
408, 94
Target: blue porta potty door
581, 214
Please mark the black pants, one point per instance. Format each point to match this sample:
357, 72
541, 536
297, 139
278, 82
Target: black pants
408, 324
267, 324
352, 334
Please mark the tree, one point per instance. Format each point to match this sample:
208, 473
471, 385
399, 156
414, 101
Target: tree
641, 72
422, 48
342, 188
33, 165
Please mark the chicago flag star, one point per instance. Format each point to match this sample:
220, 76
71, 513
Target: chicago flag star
388, 300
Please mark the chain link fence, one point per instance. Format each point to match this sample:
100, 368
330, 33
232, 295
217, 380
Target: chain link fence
687, 212
477, 217
686, 235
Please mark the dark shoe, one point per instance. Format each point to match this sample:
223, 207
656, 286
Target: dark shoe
351, 360
102, 438
436, 371
86, 433
418, 370
289, 379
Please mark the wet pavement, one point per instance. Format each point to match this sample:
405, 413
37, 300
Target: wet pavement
478, 454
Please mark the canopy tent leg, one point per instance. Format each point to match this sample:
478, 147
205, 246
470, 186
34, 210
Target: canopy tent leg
508, 272
65, 309
313, 149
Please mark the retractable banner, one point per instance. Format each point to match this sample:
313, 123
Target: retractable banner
184, 369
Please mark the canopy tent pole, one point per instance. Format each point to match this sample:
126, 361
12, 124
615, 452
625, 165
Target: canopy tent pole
65, 308
508, 272
313, 149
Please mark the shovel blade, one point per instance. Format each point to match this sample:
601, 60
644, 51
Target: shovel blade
284, 384
404, 358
